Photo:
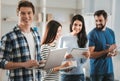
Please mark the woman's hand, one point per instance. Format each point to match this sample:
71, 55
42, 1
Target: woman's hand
68, 56
86, 54
66, 64
42, 62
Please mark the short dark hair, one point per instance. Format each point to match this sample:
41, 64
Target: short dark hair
25, 3
101, 12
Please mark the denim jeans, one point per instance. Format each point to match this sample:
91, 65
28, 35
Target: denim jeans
79, 77
104, 77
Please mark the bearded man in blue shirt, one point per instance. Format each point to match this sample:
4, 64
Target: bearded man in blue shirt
102, 47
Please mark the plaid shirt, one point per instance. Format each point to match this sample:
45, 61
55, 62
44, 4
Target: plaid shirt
14, 48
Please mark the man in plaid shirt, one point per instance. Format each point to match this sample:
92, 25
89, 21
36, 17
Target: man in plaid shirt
20, 48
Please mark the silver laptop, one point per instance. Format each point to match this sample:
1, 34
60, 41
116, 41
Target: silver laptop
54, 58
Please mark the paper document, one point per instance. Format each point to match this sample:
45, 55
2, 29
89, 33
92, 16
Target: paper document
118, 48
78, 52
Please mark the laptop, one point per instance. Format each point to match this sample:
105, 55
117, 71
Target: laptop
54, 59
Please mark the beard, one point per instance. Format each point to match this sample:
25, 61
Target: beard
100, 26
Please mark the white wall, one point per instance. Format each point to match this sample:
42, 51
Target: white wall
116, 25
63, 16
90, 22
92, 5
0, 19
71, 4
62, 11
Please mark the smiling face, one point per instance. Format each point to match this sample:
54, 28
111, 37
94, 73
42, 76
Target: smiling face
100, 22
25, 15
76, 27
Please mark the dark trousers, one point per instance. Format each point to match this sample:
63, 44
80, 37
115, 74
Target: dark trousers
104, 77
79, 77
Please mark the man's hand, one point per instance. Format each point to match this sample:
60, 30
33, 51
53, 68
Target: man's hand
30, 64
113, 53
112, 50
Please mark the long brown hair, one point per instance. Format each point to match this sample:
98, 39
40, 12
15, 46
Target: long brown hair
50, 32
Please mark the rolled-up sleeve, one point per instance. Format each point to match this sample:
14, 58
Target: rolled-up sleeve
5, 50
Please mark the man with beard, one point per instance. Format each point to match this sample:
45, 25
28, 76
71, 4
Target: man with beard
102, 47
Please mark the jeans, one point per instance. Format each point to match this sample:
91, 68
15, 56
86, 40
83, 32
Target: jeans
104, 77
79, 77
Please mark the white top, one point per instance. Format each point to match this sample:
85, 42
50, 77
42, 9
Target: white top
69, 41
31, 43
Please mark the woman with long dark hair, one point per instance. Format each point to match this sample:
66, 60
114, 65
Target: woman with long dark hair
77, 38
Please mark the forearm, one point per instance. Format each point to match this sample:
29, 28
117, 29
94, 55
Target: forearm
94, 54
53, 70
98, 54
56, 69
14, 65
